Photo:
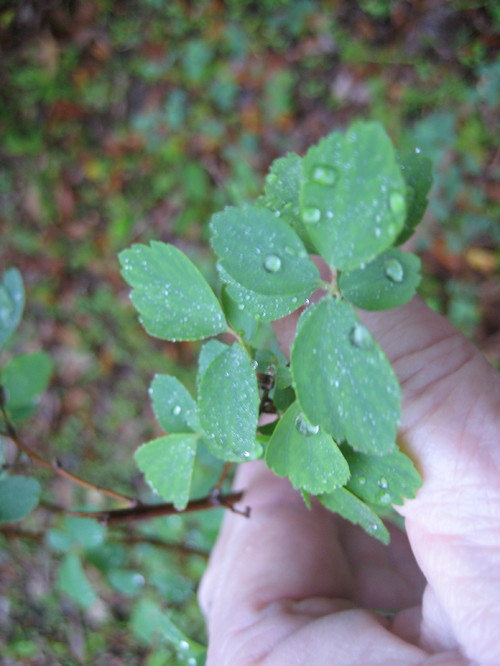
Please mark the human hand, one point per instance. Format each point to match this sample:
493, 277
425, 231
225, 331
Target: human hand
292, 586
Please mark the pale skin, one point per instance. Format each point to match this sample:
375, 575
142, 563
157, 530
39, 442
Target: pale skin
293, 587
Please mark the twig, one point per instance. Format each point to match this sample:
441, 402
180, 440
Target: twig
148, 511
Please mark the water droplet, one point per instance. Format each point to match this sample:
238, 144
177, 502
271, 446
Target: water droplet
183, 645
377, 232
177, 410
361, 337
191, 661
394, 270
382, 483
311, 215
385, 499
304, 427
272, 263
418, 150
362, 480
241, 306
246, 454
396, 203
324, 175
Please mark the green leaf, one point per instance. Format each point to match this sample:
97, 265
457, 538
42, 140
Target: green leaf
167, 464
229, 406
85, 531
343, 381
261, 252
382, 480
351, 508
283, 394
24, 378
72, 580
353, 195
417, 172
173, 405
173, 298
282, 194
265, 308
19, 495
306, 455
386, 282
11, 303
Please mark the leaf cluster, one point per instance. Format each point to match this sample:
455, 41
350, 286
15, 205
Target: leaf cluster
352, 200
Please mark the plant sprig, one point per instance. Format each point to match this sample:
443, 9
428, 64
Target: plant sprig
352, 200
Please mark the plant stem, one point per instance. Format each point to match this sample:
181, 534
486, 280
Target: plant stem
148, 511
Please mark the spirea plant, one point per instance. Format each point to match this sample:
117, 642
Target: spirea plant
352, 199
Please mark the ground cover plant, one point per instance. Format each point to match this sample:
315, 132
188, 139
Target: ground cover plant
131, 122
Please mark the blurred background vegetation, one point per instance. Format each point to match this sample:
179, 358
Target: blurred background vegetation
133, 120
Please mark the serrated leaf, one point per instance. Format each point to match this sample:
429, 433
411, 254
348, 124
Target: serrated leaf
351, 508
228, 405
24, 378
173, 299
306, 455
388, 281
417, 173
167, 464
352, 195
173, 405
11, 303
382, 480
342, 379
209, 351
72, 580
282, 194
19, 495
261, 252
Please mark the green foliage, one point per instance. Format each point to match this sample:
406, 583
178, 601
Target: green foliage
354, 395
19, 495
386, 282
155, 273
338, 404
352, 196
11, 303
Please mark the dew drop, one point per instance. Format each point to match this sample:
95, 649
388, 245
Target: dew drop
361, 337
241, 306
324, 175
183, 645
385, 499
396, 203
394, 270
246, 454
311, 215
382, 483
191, 661
304, 427
418, 150
362, 480
377, 232
272, 263
177, 410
